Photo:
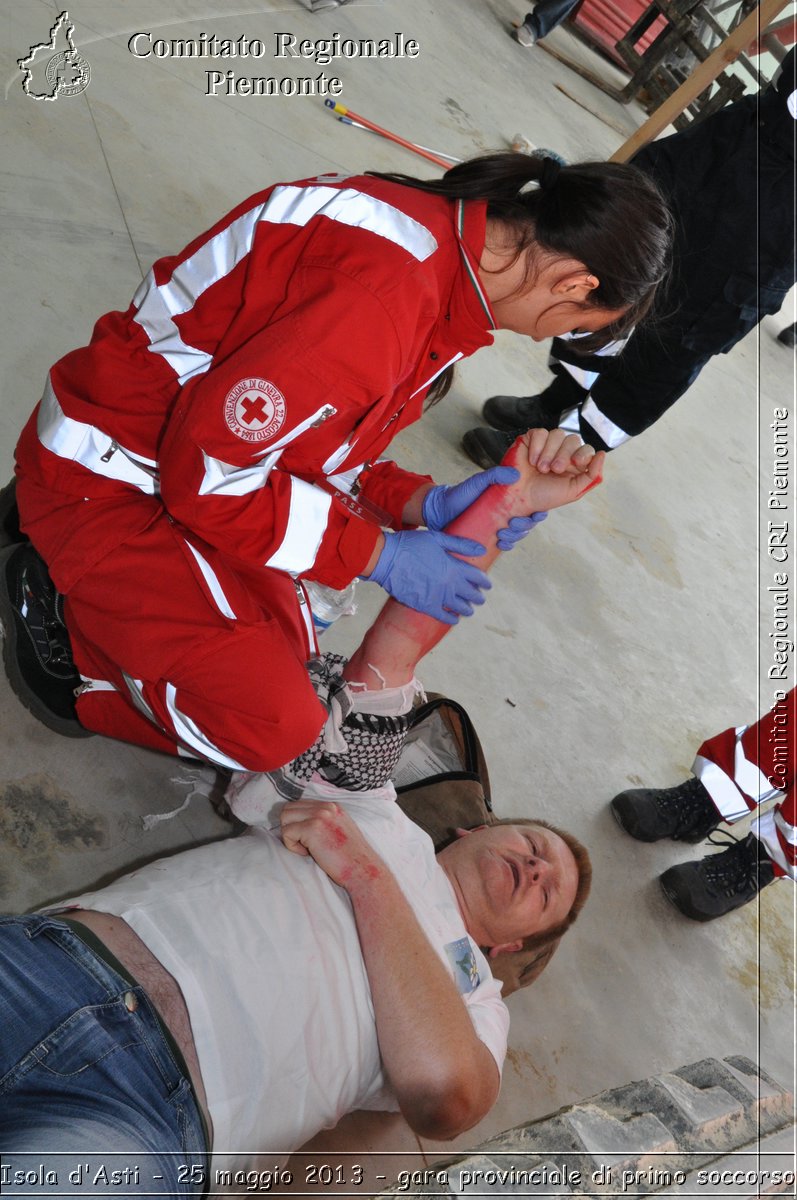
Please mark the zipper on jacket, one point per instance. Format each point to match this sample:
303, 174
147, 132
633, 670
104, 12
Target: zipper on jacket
93, 685
149, 467
311, 422
324, 414
307, 617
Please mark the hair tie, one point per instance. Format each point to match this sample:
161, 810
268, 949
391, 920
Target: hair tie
550, 173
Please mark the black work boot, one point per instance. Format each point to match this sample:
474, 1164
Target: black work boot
718, 884
685, 813
10, 532
788, 336
519, 413
36, 648
486, 447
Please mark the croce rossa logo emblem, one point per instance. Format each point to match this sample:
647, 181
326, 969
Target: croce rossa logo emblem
55, 68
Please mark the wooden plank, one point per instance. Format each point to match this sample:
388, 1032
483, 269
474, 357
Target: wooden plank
704, 74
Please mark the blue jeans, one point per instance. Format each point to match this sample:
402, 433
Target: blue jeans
547, 14
89, 1088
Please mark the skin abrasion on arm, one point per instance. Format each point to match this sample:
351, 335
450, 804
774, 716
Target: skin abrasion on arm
400, 636
445, 1079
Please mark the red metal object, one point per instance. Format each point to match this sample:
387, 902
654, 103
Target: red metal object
784, 31
605, 22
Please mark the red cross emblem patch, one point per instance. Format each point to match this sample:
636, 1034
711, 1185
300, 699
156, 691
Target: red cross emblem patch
254, 410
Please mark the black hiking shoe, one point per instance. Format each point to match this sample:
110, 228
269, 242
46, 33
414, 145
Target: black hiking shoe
36, 649
10, 532
788, 336
685, 813
718, 884
486, 447
512, 414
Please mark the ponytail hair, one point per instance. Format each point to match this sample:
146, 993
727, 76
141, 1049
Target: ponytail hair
609, 216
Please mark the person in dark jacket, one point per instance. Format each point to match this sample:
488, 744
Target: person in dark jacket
730, 182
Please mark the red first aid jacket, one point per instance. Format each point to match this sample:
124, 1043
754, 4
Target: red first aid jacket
256, 378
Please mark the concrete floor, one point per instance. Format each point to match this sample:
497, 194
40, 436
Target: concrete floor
617, 638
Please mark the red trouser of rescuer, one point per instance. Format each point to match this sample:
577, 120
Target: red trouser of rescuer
742, 767
187, 650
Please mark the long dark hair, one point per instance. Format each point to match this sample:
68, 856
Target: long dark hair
609, 216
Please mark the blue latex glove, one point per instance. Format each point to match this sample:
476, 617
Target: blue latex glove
517, 529
418, 568
442, 503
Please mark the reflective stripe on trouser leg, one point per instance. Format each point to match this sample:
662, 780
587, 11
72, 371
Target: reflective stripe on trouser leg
732, 778
610, 433
776, 829
153, 617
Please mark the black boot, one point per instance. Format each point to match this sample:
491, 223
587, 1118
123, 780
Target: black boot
486, 447
685, 813
36, 648
516, 414
10, 532
789, 335
718, 884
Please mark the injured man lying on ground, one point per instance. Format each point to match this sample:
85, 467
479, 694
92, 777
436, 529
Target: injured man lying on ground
246, 994
239, 997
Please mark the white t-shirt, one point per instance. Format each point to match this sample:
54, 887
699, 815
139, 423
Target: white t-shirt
264, 947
